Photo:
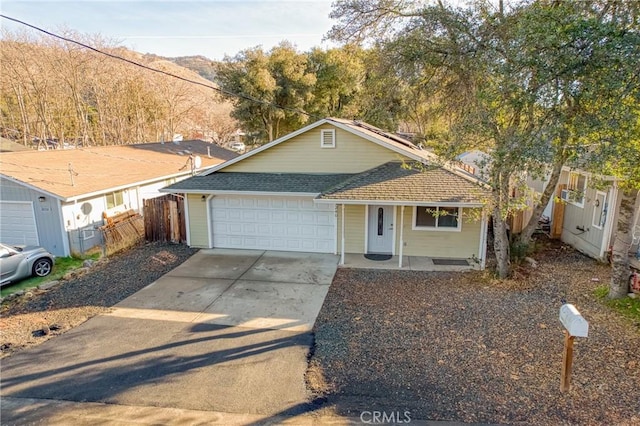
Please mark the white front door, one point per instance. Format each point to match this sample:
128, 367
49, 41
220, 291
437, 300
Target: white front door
380, 236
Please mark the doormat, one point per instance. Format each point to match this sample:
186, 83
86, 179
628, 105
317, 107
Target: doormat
375, 256
456, 262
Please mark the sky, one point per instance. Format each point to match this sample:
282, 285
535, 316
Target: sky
211, 28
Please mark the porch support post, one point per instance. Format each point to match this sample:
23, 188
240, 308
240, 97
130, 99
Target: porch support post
482, 250
401, 244
342, 238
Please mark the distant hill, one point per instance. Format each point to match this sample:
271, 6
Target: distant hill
204, 66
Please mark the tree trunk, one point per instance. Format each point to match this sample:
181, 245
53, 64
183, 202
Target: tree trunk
619, 285
500, 235
525, 235
501, 244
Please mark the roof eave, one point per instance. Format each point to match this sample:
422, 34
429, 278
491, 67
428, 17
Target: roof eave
400, 202
238, 192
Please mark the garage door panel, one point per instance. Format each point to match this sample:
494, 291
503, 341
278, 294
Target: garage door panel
18, 223
273, 223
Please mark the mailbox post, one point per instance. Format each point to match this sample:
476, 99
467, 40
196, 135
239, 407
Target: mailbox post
575, 326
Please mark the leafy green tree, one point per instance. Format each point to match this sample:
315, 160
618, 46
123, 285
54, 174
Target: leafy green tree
522, 83
340, 75
274, 88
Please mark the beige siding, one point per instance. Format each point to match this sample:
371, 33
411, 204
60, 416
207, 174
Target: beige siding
198, 226
588, 238
463, 244
445, 244
354, 228
302, 154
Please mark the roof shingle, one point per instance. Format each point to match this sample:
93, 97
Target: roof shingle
395, 181
102, 168
261, 182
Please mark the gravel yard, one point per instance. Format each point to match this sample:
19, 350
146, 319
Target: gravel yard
75, 300
464, 347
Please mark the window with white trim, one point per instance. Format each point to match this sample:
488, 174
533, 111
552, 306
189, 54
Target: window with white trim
599, 210
437, 218
327, 138
576, 188
115, 199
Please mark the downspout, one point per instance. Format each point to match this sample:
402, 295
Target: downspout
209, 224
186, 219
401, 237
342, 238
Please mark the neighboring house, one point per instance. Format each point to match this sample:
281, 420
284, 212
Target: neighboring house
338, 186
589, 220
57, 198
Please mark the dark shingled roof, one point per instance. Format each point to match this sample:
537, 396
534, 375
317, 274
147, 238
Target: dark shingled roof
265, 182
394, 181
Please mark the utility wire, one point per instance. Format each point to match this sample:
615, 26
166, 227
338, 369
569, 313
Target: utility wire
138, 64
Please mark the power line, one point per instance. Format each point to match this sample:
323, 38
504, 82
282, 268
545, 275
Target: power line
138, 64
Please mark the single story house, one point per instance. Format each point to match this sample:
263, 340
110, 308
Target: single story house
338, 186
57, 198
590, 212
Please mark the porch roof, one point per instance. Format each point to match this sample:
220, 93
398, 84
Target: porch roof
395, 182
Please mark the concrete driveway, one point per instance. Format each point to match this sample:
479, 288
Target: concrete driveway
227, 331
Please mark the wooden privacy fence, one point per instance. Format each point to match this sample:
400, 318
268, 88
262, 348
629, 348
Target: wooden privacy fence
122, 231
164, 219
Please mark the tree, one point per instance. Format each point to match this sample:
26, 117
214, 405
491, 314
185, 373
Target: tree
340, 75
274, 88
522, 83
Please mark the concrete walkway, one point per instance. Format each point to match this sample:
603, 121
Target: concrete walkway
227, 331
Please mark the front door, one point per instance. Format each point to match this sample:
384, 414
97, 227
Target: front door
380, 238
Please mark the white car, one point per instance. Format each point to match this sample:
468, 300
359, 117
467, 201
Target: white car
19, 262
238, 146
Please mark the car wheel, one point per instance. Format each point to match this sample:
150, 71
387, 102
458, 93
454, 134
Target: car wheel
42, 267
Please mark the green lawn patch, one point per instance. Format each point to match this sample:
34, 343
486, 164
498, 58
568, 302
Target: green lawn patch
627, 306
61, 267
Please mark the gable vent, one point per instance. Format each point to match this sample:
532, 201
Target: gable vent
328, 138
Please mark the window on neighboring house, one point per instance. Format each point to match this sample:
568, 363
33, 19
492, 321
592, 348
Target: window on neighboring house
437, 218
328, 138
599, 210
115, 199
576, 188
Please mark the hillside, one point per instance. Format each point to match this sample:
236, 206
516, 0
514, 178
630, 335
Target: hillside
97, 100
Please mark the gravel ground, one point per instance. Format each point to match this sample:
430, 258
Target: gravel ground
466, 347
75, 300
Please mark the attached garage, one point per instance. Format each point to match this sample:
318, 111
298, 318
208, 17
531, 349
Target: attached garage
18, 223
284, 223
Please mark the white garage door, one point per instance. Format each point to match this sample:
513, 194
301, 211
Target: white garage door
18, 223
273, 223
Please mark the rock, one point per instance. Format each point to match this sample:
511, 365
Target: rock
48, 285
6, 346
531, 262
88, 263
81, 271
595, 279
69, 276
632, 295
18, 293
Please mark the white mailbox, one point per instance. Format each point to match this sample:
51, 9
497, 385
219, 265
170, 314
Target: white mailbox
575, 324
